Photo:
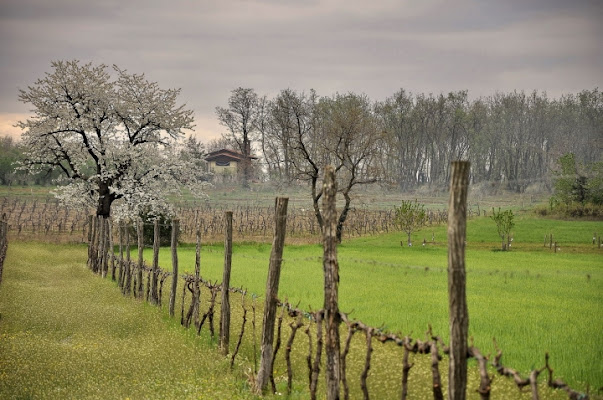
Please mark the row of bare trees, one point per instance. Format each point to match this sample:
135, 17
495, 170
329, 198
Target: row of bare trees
410, 139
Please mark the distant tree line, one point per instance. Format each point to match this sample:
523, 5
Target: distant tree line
514, 139
11, 152
408, 140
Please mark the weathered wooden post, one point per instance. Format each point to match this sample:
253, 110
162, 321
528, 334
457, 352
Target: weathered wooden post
105, 265
3, 242
110, 225
120, 275
331, 282
457, 297
155, 267
140, 229
91, 222
174, 266
196, 286
274, 273
102, 248
225, 311
127, 270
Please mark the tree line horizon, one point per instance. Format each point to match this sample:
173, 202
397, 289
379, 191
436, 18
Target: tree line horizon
408, 140
512, 138
114, 136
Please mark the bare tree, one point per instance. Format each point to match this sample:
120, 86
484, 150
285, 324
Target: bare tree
241, 120
341, 131
405, 155
220, 143
276, 128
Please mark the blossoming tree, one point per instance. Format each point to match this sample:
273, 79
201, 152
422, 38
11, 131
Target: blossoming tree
111, 133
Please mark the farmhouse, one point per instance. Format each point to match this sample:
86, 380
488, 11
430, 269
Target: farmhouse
226, 162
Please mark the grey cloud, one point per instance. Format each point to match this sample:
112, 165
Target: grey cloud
208, 48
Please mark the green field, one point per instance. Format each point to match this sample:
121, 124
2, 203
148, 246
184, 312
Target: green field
531, 299
65, 333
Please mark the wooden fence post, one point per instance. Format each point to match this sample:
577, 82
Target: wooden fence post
140, 232
91, 222
196, 287
155, 267
105, 247
274, 273
111, 253
120, 276
225, 311
101, 246
3, 242
174, 266
98, 251
457, 298
127, 270
331, 282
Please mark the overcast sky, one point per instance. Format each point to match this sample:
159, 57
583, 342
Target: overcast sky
375, 47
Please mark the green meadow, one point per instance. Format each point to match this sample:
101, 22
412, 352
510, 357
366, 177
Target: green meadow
530, 299
66, 333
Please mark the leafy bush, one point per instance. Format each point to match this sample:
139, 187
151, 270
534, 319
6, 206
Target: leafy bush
573, 210
504, 224
578, 183
410, 216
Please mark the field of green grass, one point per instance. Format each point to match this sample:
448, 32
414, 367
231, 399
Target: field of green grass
66, 333
531, 299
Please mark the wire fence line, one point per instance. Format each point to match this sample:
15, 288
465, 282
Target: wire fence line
201, 299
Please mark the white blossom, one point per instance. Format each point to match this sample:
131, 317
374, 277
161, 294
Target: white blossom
113, 137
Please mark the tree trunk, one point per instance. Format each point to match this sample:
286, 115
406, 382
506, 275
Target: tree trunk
154, 282
105, 198
140, 259
174, 266
457, 298
272, 283
331, 281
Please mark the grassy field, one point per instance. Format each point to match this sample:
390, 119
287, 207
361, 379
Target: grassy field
66, 334
530, 299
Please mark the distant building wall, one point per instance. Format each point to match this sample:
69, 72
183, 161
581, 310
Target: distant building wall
219, 167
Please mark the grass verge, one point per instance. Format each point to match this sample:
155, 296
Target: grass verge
65, 333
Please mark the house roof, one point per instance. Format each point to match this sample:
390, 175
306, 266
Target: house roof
227, 154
